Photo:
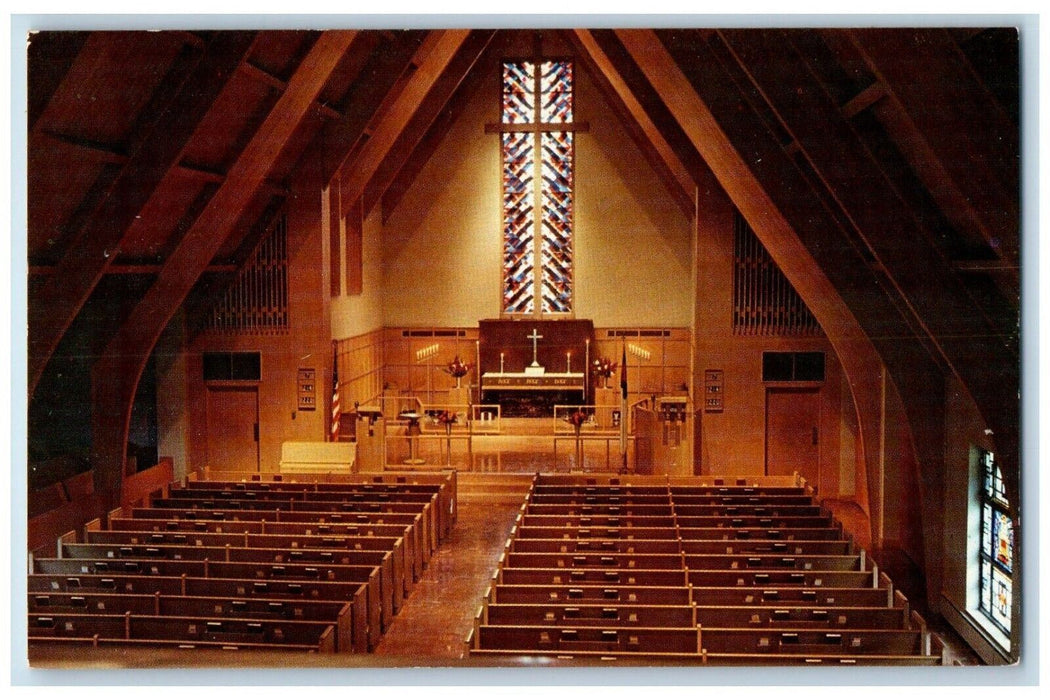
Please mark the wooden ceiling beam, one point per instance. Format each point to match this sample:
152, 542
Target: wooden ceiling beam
115, 376
756, 185
97, 243
873, 204
280, 85
437, 97
953, 132
644, 131
430, 61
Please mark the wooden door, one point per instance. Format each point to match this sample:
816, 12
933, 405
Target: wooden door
233, 428
793, 433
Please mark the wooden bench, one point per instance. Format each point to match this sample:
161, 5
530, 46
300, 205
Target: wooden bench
809, 617
256, 634
817, 597
719, 578
524, 544
337, 613
542, 532
596, 520
805, 562
579, 614
755, 533
607, 577
306, 576
365, 614
589, 594
900, 642
583, 509
541, 639
601, 560
779, 547
390, 579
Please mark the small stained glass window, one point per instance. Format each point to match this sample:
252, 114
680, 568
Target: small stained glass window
997, 546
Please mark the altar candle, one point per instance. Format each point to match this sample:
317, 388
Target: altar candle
568, 362
501, 363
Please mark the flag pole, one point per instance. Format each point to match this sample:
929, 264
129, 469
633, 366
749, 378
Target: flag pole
623, 404
337, 411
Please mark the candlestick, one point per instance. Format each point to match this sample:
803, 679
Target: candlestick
568, 363
501, 363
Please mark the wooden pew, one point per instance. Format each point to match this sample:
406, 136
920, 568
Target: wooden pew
523, 544
264, 634
409, 533
852, 642
365, 614
600, 560
686, 510
779, 578
755, 533
809, 617
584, 509
581, 615
793, 596
589, 594
577, 577
778, 547
587, 641
305, 575
337, 613
543, 532
605, 499
806, 562
783, 522
390, 586
596, 520
395, 545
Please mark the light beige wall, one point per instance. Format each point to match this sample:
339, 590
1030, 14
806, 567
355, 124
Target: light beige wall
360, 313
733, 442
442, 246
306, 344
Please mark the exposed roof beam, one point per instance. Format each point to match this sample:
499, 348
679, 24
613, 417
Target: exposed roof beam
98, 241
767, 217
436, 99
667, 164
430, 61
946, 114
116, 374
281, 85
128, 269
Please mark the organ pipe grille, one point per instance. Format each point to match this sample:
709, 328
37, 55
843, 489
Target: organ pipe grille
257, 300
764, 302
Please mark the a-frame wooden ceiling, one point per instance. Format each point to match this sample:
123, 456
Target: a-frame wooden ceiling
153, 156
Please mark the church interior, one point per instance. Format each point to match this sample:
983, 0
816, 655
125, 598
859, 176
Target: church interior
476, 347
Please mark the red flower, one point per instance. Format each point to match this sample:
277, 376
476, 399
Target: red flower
604, 367
577, 418
457, 368
446, 417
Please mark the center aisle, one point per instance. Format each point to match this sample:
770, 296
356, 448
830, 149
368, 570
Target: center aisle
439, 614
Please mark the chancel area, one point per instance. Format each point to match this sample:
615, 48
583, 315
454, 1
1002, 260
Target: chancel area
473, 347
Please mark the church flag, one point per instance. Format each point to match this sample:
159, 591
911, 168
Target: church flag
337, 411
623, 406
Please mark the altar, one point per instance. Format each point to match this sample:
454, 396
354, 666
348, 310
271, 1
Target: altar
529, 366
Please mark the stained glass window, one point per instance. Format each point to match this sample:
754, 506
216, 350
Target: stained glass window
997, 546
537, 150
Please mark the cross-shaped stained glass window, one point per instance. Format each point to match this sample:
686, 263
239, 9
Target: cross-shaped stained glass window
537, 155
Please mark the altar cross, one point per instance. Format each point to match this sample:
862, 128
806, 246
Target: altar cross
535, 337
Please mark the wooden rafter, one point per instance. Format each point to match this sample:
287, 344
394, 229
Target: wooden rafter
666, 163
767, 217
434, 102
98, 242
946, 113
116, 374
430, 61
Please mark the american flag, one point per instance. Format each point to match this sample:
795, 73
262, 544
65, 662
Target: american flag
337, 411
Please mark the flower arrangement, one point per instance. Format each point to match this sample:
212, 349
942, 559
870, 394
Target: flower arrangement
446, 418
458, 368
603, 369
577, 418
